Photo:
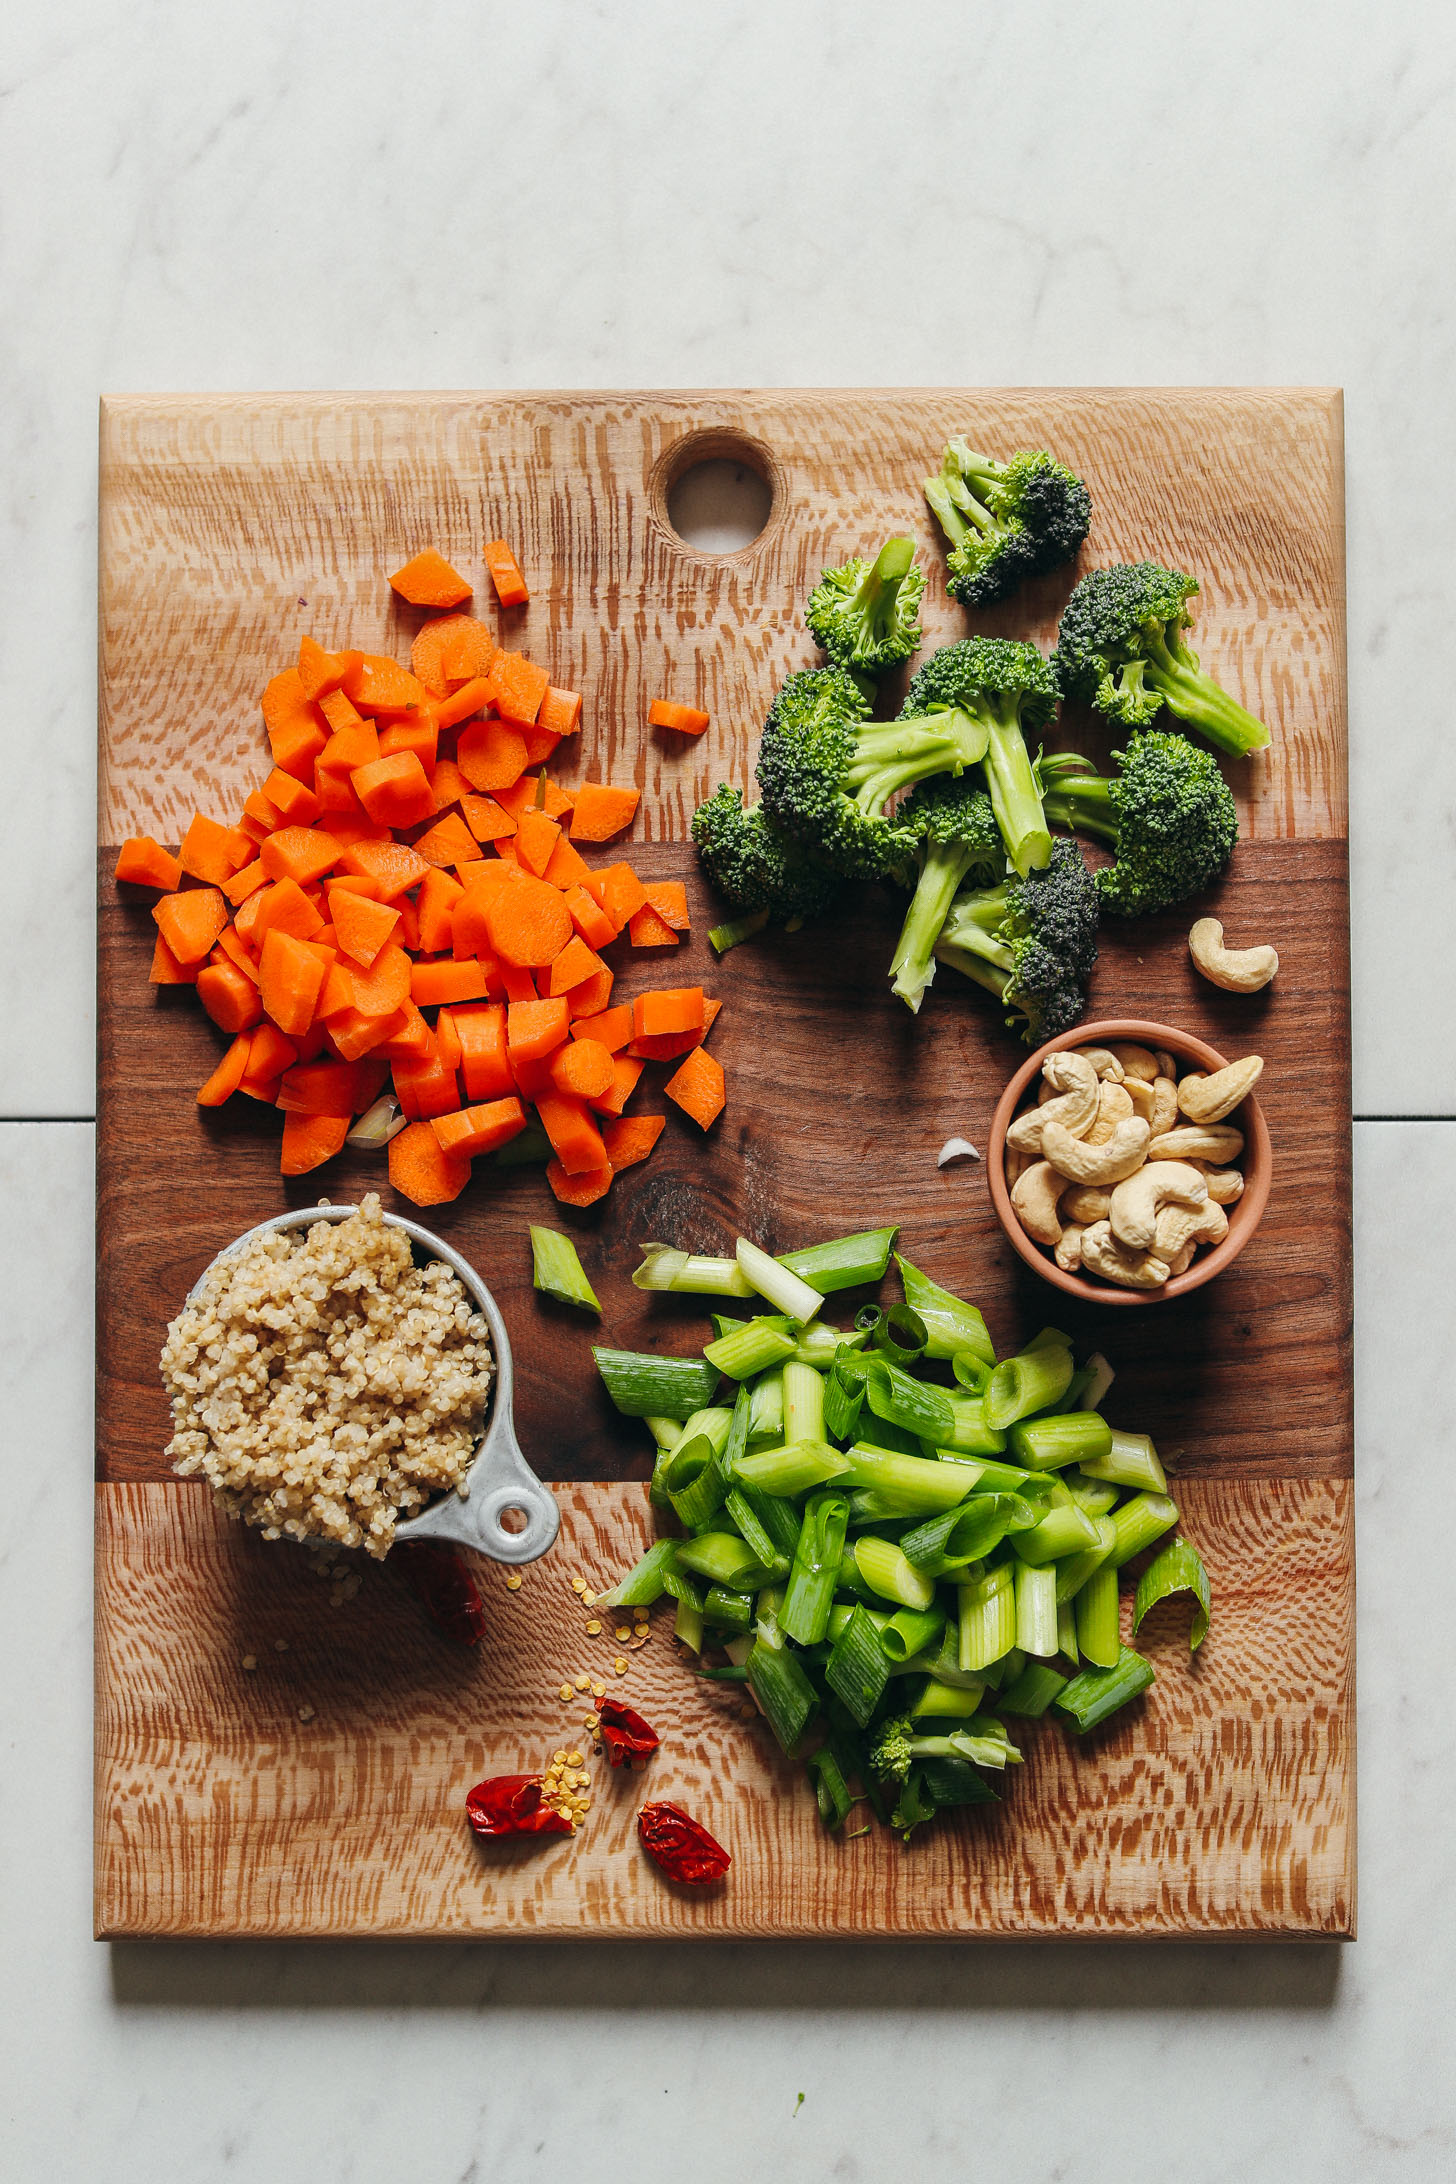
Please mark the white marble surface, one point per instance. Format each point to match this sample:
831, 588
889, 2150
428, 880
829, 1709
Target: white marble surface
465, 195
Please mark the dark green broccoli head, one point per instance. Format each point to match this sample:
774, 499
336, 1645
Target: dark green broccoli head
1112, 628
1167, 811
864, 614
1005, 521
1032, 941
980, 669
753, 865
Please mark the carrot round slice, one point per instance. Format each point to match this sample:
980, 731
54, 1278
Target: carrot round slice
491, 755
385, 986
528, 922
578, 1190
584, 1067
427, 580
420, 1169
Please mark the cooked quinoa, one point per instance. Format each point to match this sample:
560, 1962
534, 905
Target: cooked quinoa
325, 1385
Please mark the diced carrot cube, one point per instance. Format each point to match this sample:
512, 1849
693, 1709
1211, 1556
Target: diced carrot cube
427, 580
600, 812
649, 931
613, 1027
505, 574
698, 1088
632, 1138
144, 863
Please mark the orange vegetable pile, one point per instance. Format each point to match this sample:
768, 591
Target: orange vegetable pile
402, 858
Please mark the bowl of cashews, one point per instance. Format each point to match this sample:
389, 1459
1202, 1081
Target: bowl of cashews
1129, 1161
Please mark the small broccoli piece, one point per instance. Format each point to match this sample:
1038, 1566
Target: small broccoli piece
753, 865
1005, 521
1008, 687
1120, 650
1167, 812
863, 614
958, 839
827, 772
1032, 942
925, 1790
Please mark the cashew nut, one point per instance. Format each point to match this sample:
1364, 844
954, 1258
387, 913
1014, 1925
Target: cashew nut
1075, 1108
1114, 1102
1034, 1198
1208, 1099
1066, 1070
1165, 1102
1137, 1061
1016, 1166
1068, 1253
1105, 1062
1137, 1203
1140, 1092
1225, 1185
1237, 970
1167, 1066
1216, 1142
1125, 1150
1081, 1204
1100, 1254
1181, 1264
1180, 1225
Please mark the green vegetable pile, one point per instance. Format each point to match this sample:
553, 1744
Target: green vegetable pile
947, 799
899, 1542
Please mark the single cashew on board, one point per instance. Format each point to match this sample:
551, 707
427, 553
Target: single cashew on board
1034, 1197
1137, 1203
1237, 970
1208, 1099
1125, 1150
1130, 1270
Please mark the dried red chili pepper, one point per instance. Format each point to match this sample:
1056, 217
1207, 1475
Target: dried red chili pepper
681, 1846
511, 1804
444, 1587
625, 1735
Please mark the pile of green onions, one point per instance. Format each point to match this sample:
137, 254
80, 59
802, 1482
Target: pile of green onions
892, 1537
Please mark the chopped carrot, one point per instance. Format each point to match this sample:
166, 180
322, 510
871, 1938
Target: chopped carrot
294, 802
575, 962
698, 1088
412, 1040
528, 922
485, 818
593, 994
355, 1035
300, 853
578, 1190
463, 704
534, 1028
448, 842
421, 1170
245, 883
330, 1088
190, 923
144, 863
291, 975
685, 719
427, 580
453, 648
380, 685
613, 1027
625, 1072
446, 980
448, 783
587, 915
560, 711
517, 687
484, 1062
536, 837
540, 744
492, 755
425, 1086
296, 732
505, 574
228, 1074
393, 866
418, 732
434, 908
473, 1130
231, 1000
566, 867
600, 812
259, 819
385, 986
582, 1067
310, 1140
648, 930
395, 790
668, 1045
285, 906
344, 718
669, 898
618, 890
668, 1008
269, 1054
538, 789
575, 1138
166, 970
362, 926
231, 944
212, 852
632, 1138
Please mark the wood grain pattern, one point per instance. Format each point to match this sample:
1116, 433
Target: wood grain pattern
228, 527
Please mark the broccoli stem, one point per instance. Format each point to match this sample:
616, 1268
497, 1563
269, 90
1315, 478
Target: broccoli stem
943, 868
1085, 805
1015, 798
877, 593
893, 754
1191, 695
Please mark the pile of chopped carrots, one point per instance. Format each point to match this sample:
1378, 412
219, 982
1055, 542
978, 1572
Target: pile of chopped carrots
403, 901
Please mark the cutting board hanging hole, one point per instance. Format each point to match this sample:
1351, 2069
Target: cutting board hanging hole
716, 492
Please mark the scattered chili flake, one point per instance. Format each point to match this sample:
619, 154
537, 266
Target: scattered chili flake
440, 1580
624, 1733
680, 1846
513, 1805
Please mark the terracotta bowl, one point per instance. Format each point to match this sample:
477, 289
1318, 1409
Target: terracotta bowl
1256, 1160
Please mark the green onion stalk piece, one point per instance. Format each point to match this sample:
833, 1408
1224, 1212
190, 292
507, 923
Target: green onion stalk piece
845, 1263
766, 1617
722, 1557
734, 930
803, 1403
644, 1582
1066, 1437
1138, 1523
994, 1478
688, 1626
751, 1348
947, 1702
946, 1543
858, 1667
1095, 1378
819, 1344
970, 1372
680, 1585
851, 1582
969, 1433
886, 1571
666, 1432
693, 1482
831, 1791
950, 1325
783, 1691
1098, 1692
663, 1268
1005, 1671
783, 1289
1179, 1568
1033, 1691
809, 1594
900, 1335
793, 1469
946, 1667
1034, 1381
727, 1610
843, 1399
1062, 1531
987, 1607
841, 1612
923, 1486
1067, 1644
1073, 1571
1130, 1461
952, 1782
1094, 1497
558, 1272
917, 1407
657, 1492
1036, 1609
911, 1632
1098, 1635
766, 1412
772, 1519
644, 1385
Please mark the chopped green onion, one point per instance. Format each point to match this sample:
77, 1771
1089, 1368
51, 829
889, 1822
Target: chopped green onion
951, 1781
899, 1334
676, 1581
793, 1469
644, 1582
1097, 1624
1073, 1571
947, 1702
809, 1594
664, 1268
1033, 1381
1033, 1691
803, 1403
730, 1674
858, 1667
666, 1432
558, 1272
987, 1609
912, 1631
776, 1282
378, 1124
845, 1263
657, 1492
750, 1349
1098, 1377
773, 1520
841, 1612
923, 1485
766, 1412
1036, 1609
1004, 1671
818, 1344
948, 1542
946, 1667
783, 1691
1062, 1531
738, 1650
970, 1372
528, 1148
969, 1433
1066, 1437
1138, 1523
831, 1791
1131, 1461
886, 1571
1067, 1644
728, 935
645, 1385
993, 1478
917, 1408
693, 1482
950, 1325
721, 1557
688, 1626
1094, 1497
1098, 1692
766, 1617
1179, 1568
843, 1399
851, 1582
727, 1610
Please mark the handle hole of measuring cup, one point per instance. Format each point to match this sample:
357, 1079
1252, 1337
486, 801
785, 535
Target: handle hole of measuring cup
513, 1518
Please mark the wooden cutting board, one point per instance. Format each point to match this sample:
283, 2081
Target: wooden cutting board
321, 1792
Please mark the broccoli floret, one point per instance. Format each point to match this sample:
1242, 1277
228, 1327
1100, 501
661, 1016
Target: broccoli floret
864, 613
1032, 942
958, 840
827, 772
1167, 812
1009, 687
1120, 649
924, 1790
753, 865
1005, 521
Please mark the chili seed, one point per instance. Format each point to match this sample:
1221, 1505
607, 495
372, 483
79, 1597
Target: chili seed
513, 1584
250, 1660
593, 1628
619, 1666
578, 1584
305, 1713
583, 1683
599, 1690
566, 1691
